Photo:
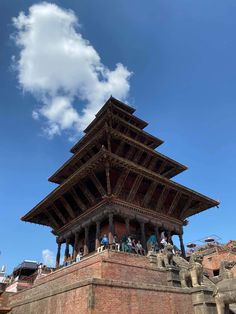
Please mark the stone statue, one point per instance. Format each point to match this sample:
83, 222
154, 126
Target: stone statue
192, 276
165, 257
225, 291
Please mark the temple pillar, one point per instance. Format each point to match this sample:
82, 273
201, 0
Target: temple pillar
75, 251
97, 242
67, 249
157, 234
143, 237
86, 231
168, 236
182, 245
111, 228
58, 254
127, 226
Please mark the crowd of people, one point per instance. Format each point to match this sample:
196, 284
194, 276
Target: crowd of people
132, 245
126, 244
129, 244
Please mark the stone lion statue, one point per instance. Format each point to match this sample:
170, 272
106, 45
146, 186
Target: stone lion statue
192, 276
225, 291
165, 257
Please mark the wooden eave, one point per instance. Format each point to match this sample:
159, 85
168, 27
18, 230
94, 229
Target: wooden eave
156, 141
96, 212
113, 101
111, 105
178, 167
205, 201
94, 162
100, 124
56, 177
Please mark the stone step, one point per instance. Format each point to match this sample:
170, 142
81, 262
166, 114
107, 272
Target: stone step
232, 308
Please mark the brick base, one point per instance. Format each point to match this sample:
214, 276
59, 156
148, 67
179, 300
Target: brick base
107, 282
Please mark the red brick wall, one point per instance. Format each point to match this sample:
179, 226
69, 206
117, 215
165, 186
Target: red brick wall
140, 301
212, 261
126, 284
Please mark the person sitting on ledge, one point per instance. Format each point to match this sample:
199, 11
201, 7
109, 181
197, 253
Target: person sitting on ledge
105, 241
134, 245
139, 248
78, 257
115, 243
129, 244
124, 246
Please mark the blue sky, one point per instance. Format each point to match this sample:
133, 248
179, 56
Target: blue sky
182, 58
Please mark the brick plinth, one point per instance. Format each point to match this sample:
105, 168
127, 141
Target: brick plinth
108, 282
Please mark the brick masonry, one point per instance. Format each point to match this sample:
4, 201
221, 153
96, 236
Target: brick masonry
107, 282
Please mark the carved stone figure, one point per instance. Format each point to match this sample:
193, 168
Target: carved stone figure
192, 276
225, 292
165, 257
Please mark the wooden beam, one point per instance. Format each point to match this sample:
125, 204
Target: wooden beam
146, 160
162, 198
174, 203
98, 145
138, 156
68, 208
86, 192
162, 167
134, 188
58, 213
152, 163
76, 198
130, 152
169, 172
52, 219
90, 154
98, 184
186, 206
107, 169
120, 148
120, 182
149, 194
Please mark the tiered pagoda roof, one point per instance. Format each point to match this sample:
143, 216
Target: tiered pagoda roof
115, 162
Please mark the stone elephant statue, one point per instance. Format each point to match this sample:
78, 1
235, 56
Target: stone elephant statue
192, 276
225, 291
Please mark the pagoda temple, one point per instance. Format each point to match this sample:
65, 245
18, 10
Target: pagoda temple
116, 182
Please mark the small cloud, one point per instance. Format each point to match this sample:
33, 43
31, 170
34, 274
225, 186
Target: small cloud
62, 70
35, 115
49, 258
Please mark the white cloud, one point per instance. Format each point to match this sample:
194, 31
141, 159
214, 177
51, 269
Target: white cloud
60, 68
49, 258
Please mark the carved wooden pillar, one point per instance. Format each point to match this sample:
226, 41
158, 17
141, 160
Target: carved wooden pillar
111, 228
182, 245
86, 231
67, 249
157, 234
127, 226
75, 252
58, 254
143, 237
168, 236
97, 243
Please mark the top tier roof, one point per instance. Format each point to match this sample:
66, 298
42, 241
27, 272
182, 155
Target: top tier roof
125, 113
116, 118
